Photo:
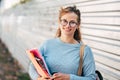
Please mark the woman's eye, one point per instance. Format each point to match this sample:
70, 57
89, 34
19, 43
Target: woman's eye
72, 22
65, 21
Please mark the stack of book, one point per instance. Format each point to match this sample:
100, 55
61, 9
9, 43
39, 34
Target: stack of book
38, 61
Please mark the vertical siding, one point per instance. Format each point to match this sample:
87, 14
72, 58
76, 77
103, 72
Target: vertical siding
37, 20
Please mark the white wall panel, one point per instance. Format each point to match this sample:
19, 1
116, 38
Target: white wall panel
27, 25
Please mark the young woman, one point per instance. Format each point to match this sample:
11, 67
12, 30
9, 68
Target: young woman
62, 53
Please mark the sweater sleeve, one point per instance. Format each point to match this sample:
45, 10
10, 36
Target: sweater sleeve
88, 67
32, 72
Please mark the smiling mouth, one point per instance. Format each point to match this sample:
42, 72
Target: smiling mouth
67, 30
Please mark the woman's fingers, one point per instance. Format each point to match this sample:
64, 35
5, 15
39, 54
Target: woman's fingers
44, 78
60, 76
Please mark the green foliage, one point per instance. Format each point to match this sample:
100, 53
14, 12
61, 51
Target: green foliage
23, 76
23, 1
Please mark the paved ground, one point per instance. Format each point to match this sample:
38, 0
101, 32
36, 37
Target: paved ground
9, 68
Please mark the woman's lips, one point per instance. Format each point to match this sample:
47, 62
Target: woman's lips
67, 29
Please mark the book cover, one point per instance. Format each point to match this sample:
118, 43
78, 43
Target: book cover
38, 61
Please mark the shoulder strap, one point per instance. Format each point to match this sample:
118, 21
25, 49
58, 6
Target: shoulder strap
81, 59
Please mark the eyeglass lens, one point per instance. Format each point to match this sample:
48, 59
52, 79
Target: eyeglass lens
64, 22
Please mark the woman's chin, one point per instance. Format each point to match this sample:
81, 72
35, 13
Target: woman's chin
67, 33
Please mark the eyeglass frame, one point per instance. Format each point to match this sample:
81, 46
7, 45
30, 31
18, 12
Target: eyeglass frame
70, 23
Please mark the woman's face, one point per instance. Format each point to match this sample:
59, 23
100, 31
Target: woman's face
68, 24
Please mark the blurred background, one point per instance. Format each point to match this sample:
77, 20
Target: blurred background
25, 24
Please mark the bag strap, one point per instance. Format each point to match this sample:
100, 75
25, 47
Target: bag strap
81, 59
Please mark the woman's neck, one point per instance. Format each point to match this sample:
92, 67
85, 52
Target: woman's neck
69, 39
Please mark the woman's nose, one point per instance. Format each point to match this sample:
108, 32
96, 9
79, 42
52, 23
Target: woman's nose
68, 25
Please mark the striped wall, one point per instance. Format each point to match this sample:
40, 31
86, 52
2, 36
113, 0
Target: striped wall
31, 23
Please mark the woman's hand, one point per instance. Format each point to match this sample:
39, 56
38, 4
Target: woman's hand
43, 78
60, 76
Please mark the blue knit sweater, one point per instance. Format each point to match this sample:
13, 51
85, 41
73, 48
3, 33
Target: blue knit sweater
64, 57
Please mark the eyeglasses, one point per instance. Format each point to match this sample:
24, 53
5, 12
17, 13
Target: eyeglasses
64, 22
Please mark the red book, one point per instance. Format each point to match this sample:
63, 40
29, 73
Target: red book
38, 62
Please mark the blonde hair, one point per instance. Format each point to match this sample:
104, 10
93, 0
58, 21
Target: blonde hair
63, 11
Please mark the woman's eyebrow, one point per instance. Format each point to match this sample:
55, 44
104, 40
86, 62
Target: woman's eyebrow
72, 20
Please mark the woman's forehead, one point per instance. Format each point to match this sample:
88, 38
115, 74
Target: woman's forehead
69, 16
